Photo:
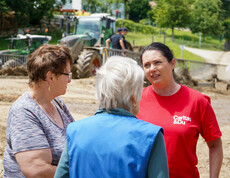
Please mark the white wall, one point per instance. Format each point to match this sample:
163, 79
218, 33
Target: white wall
76, 4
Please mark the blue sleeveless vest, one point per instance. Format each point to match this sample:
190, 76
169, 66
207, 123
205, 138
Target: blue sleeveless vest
108, 145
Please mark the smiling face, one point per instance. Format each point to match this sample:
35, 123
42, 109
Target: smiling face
157, 68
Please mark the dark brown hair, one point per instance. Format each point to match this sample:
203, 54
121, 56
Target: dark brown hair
165, 51
47, 58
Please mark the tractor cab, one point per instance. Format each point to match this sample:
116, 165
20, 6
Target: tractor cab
97, 26
93, 30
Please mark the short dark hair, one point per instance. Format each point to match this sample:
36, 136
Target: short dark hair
125, 29
119, 29
47, 58
165, 51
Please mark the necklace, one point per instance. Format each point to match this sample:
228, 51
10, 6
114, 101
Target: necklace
50, 113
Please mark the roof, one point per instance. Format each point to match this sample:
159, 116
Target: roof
32, 36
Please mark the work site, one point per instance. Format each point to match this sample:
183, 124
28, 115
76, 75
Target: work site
197, 65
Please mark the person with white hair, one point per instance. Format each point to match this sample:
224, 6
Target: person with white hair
113, 142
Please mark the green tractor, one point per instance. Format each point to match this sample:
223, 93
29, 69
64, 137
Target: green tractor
20, 47
90, 33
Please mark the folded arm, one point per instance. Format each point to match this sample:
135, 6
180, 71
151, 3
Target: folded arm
36, 163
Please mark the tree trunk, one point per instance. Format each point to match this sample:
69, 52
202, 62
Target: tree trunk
126, 12
203, 37
227, 45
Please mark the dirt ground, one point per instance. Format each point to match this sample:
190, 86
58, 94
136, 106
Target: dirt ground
81, 102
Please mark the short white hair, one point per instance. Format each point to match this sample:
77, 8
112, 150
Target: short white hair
116, 81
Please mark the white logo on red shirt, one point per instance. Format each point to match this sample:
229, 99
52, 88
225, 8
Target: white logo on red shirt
181, 119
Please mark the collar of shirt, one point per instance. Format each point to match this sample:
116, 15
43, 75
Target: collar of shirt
116, 111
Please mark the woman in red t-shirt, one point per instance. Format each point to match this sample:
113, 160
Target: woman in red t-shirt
182, 112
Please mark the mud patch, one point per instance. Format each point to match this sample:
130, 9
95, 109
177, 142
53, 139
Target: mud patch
8, 98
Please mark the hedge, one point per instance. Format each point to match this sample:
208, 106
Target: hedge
136, 27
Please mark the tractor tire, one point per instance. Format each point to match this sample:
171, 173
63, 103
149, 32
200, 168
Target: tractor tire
87, 63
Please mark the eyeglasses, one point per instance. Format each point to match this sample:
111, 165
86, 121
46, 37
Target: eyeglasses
68, 74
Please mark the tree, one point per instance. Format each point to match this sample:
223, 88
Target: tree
91, 5
207, 17
3, 10
100, 5
29, 12
172, 14
127, 8
226, 13
226, 8
139, 9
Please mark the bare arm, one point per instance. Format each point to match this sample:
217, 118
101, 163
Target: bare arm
36, 163
107, 42
122, 44
215, 157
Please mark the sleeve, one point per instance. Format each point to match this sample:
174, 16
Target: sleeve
68, 113
26, 131
158, 164
209, 126
63, 165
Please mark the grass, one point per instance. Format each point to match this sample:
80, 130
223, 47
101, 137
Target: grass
146, 39
186, 38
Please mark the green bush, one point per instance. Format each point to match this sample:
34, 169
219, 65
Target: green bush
56, 35
4, 43
136, 27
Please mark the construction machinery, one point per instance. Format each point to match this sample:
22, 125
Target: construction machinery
87, 41
20, 47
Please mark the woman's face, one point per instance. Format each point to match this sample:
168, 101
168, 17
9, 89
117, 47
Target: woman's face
157, 68
62, 81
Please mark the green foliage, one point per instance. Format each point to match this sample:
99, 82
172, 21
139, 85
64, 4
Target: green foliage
4, 43
226, 8
3, 10
207, 17
136, 27
139, 9
3, 6
227, 29
94, 6
172, 13
29, 12
56, 36
90, 5
185, 37
146, 39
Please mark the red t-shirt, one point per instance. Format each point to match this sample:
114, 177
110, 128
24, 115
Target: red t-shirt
183, 117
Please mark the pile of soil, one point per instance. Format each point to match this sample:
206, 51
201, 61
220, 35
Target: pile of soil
80, 100
14, 71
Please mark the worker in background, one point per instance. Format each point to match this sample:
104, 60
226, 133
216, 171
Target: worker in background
124, 33
117, 40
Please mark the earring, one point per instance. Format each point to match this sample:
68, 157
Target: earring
134, 104
49, 88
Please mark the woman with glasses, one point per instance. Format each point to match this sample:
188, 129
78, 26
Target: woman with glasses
37, 121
